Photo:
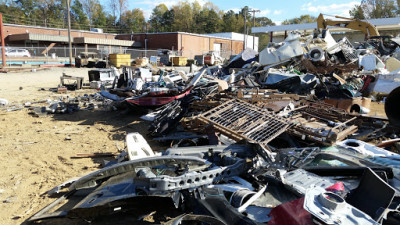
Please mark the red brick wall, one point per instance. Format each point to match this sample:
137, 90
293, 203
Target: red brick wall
190, 45
237, 47
154, 41
197, 45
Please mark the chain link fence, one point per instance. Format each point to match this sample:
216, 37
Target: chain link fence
61, 54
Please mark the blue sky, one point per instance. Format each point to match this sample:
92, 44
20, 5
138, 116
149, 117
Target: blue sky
278, 10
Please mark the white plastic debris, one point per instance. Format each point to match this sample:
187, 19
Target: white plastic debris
370, 62
150, 116
385, 83
137, 147
137, 84
291, 48
3, 102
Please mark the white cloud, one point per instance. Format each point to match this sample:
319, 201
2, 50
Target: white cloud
278, 12
154, 3
264, 12
333, 9
236, 10
277, 22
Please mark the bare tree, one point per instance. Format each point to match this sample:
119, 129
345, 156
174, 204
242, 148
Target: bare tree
122, 6
113, 4
88, 6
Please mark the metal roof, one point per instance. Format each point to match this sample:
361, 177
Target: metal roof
102, 41
179, 32
76, 40
37, 37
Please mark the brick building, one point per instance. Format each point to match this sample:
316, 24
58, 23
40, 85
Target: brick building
188, 44
30, 36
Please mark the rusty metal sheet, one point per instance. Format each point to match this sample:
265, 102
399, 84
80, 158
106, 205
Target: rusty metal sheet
322, 123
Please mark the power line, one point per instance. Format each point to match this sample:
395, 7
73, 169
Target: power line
26, 20
60, 25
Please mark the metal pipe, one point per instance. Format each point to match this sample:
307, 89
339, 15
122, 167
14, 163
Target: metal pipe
3, 48
392, 109
254, 25
145, 47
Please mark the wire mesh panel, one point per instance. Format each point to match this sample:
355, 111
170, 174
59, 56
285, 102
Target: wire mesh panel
241, 120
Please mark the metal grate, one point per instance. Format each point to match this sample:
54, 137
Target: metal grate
241, 120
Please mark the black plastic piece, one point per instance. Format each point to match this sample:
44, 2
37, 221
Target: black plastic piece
213, 202
372, 195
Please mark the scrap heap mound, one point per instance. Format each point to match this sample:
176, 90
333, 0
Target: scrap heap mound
277, 137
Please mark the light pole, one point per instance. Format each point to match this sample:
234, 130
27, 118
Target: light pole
3, 45
254, 24
244, 27
69, 32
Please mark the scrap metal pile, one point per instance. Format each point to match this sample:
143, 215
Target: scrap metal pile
279, 137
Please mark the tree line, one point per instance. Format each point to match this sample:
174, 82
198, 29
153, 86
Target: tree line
373, 9
115, 17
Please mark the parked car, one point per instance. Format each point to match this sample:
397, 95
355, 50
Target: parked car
18, 53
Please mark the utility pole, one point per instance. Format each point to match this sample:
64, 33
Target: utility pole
3, 46
69, 32
254, 24
244, 27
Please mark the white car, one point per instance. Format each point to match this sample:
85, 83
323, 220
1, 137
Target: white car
18, 53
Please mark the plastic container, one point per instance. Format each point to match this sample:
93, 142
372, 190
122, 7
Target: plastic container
179, 61
120, 59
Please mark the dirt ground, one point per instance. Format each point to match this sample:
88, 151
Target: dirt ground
37, 154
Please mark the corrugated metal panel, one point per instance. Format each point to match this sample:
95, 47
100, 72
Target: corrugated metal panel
304, 26
385, 21
184, 33
231, 35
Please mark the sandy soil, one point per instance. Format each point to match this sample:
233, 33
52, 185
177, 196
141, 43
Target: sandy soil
35, 152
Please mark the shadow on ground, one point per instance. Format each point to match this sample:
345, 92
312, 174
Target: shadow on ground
122, 122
